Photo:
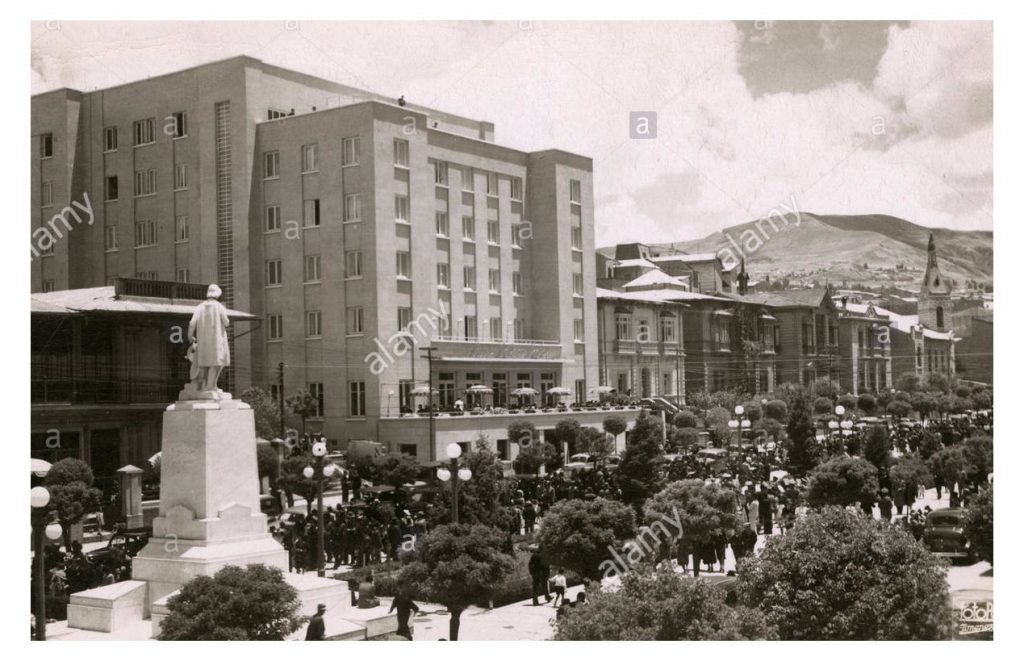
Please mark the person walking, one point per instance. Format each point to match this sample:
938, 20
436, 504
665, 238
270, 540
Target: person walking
316, 629
405, 607
529, 516
539, 571
885, 506
558, 586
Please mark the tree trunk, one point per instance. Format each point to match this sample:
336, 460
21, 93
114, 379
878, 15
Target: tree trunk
453, 623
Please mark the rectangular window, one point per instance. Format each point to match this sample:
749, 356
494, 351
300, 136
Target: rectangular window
350, 151
402, 153
577, 330
443, 276
494, 280
493, 235
517, 189
353, 207
440, 173
353, 264
145, 233
468, 228
110, 190
311, 213
519, 329
668, 329
181, 228
577, 237
404, 318
180, 176
402, 208
623, 327
470, 325
110, 138
273, 217
402, 264
357, 399
492, 183
275, 326
309, 158
441, 223
312, 268
317, 391
577, 284
145, 183
496, 329
354, 321
110, 238
313, 323
515, 236
469, 278
46, 194
575, 194
271, 164
181, 275
180, 124
467, 180
273, 272
517, 282
143, 132
275, 114
46, 145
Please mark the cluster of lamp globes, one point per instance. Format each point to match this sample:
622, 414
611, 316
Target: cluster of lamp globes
454, 451
845, 425
733, 424
41, 498
319, 451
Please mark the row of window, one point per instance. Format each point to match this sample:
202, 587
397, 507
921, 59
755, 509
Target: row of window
624, 329
143, 133
145, 183
146, 233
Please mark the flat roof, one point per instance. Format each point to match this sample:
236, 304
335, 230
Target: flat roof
104, 300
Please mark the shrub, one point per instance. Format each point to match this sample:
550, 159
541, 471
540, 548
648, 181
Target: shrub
578, 534
842, 481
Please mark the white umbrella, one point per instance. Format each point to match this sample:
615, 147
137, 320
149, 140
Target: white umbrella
604, 389
559, 391
420, 391
524, 392
483, 390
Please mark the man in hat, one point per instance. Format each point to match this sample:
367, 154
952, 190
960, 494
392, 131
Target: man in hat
315, 630
539, 572
885, 506
208, 328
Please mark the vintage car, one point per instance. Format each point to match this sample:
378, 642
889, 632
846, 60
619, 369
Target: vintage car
123, 544
944, 534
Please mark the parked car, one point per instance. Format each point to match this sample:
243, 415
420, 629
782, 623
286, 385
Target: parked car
944, 534
123, 544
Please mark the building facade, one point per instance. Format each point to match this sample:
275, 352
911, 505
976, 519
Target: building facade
359, 229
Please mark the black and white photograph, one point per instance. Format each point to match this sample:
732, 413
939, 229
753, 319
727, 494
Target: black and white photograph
407, 329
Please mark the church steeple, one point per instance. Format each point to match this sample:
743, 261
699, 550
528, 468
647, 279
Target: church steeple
933, 299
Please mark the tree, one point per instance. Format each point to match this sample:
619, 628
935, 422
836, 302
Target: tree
908, 381
867, 403
949, 465
822, 406
72, 495
706, 512
685, 419
265, 410
457, 565
898, 408
614, 425
596, 443
481, 498
924, 403
581, 534
566, 434
293, 481
930, 444
979, 524
978, 453
685, 438
801, 446
267, 462
981, 400
776, 409
236, 603
842, 481
537, 454
661, 605
639, 473
848, 401
825, 387
753, 411
304, 405
522, 433
878, 447
883, 398
842, 576
908, 470
936, 382
790, 392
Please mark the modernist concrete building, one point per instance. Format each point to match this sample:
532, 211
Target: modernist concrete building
343, 219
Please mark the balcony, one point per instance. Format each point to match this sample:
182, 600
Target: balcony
477, 349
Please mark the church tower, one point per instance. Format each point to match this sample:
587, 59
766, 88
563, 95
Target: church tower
933, 306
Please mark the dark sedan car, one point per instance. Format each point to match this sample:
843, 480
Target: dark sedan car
124, 544
944, 534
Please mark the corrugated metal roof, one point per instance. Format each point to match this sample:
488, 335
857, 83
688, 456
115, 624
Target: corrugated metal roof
102, 299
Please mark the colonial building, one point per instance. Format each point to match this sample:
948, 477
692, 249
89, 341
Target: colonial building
865, 352
359, 228
105, 363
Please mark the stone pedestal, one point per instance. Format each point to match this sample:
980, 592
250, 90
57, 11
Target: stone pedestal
209, 498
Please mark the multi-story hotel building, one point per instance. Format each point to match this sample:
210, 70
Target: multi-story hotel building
358, 228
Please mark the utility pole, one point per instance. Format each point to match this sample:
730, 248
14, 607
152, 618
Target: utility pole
280, 395
429, 351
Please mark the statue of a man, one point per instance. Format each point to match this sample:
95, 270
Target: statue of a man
208, 330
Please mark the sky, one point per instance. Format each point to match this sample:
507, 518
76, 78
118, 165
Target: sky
820, 117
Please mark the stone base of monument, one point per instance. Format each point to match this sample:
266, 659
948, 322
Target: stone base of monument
108, 608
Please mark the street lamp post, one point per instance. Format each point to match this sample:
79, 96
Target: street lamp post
739, 423
320, 469
454, 451
42, 530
